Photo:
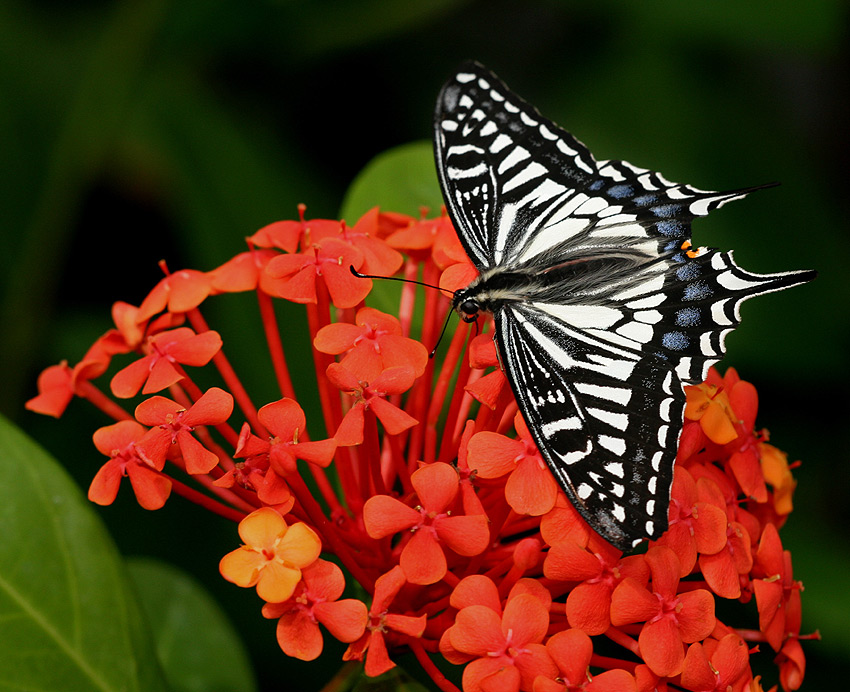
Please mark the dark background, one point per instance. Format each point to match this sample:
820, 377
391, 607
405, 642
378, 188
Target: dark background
135, 131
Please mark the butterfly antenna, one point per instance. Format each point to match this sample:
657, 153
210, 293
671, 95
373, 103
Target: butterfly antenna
398, 278
442, 334
418, 283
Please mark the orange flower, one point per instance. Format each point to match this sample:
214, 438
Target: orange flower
272, 556
432, 524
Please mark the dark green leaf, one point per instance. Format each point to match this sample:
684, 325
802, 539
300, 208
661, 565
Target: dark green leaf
68, 616
402, 179
198, 648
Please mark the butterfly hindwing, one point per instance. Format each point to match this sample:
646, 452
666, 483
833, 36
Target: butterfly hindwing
606, 419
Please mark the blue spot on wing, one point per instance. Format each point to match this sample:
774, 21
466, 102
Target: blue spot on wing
697, 290
688, 317
675, 341
620, 191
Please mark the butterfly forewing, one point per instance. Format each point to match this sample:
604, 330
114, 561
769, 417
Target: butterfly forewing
603, 310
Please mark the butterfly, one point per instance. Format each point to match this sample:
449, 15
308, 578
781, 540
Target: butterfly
602, 308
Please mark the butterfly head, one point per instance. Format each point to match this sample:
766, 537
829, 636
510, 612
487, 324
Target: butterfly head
466, 306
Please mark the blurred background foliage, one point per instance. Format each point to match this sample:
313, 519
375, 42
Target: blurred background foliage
139, 130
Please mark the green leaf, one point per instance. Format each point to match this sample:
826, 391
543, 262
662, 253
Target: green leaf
402, 179
69, 619
196, 644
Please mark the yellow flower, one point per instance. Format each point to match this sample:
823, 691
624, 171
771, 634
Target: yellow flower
272, 556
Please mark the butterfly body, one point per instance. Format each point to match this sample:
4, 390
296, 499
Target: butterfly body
602, 308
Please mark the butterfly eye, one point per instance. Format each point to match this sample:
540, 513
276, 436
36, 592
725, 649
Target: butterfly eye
469, 310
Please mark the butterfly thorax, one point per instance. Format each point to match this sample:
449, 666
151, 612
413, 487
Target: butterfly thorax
577, 279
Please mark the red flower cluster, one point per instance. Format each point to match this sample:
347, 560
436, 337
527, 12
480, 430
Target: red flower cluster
429, 490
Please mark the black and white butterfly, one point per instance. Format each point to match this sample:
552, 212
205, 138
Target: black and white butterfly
602, 309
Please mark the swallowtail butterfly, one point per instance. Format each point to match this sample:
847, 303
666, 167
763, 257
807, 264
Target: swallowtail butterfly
602, 308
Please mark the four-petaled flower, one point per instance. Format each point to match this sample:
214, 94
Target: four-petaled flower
382, 623
431, 523
531, 487
371, 345
504, 647
571, 650
599, 568
173, 424
157, 370
315, 601
123, 443
272, 556
670, 618
372, 396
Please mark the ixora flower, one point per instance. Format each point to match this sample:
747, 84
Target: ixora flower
430, 523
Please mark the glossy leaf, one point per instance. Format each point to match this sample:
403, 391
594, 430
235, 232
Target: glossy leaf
69, 619
196, 644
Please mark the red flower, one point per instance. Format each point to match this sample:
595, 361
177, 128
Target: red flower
717, 666
431, 522
598, 568
174, 424
286, 423
371, 345
121, 443
294, 276
378, 257
372, 396
723, 570
670, 618
697, 519
571, 650
381, 625
55, 391
506, 647
254, 473
777, 594
313, 602
531, 488
156, 370
489, 388
452, 526
245, 272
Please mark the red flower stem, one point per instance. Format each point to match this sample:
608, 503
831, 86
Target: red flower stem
238, 497
609, 663
619, 637
456, 348
92, 394
428, 665
275, 344
228, 374
751, 635
326, 489
397, 457
454, 419
451, 579
209, 503
507, 420
421, 396
318, 316
407, 304
370, 457
328, 532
